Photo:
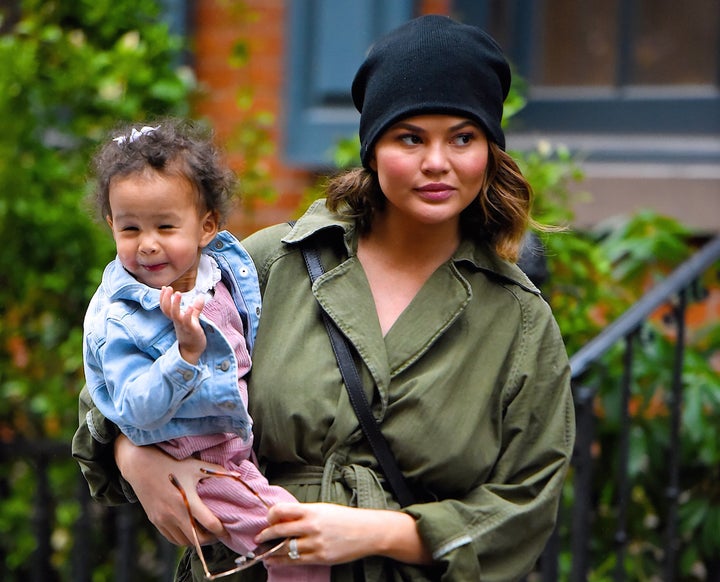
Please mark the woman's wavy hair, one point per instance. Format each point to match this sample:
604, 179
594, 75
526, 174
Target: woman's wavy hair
172, 147
499, 215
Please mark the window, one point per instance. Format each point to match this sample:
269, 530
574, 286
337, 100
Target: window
328, 40
615, 78
594, 68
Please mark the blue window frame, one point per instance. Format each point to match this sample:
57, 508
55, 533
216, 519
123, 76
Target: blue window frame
327, 42
178, 16
645, 70
596, 97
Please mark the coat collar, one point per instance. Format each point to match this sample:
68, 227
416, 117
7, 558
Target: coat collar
317, 218
425, 319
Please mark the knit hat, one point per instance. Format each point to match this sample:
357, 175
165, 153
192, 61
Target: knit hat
431, 64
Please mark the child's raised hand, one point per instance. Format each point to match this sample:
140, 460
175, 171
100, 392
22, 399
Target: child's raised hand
190, 334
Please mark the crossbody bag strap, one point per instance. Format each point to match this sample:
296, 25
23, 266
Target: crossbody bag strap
357, 395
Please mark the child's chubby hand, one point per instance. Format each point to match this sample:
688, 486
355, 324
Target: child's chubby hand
190, 334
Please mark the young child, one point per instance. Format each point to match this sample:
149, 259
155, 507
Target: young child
169, 330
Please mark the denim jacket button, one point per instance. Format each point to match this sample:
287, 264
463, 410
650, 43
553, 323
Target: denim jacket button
229, 405
257, 311
225, 366
187, 375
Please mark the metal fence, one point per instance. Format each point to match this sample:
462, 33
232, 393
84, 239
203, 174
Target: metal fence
122, 524
100, 535
675, 290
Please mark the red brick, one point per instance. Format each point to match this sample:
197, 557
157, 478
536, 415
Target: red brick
219, 25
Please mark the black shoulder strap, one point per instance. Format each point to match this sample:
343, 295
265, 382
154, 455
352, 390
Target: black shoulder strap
357, 396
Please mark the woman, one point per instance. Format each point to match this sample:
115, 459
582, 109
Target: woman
458, 353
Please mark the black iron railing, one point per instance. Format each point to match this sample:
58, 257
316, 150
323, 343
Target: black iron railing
101, 536
675, 290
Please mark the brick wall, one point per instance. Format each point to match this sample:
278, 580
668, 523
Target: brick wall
260, 23
219, 24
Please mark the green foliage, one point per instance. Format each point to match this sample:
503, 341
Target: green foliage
595, 277
252, 134
69, 71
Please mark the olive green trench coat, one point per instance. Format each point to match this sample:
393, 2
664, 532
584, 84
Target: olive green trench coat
470, 385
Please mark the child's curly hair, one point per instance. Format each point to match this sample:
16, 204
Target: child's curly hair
171, 147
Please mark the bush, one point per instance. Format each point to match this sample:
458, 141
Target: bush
69, 71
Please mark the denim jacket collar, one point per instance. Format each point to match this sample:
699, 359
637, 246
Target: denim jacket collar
121, 285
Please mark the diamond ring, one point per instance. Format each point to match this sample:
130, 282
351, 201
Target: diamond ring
293, 554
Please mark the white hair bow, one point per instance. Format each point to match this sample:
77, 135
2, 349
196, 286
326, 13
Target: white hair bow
134, 134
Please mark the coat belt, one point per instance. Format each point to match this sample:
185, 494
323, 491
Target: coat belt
349, 484
345, 484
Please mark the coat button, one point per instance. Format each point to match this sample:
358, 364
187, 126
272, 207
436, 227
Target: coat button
225, 365
187, 375
218, 244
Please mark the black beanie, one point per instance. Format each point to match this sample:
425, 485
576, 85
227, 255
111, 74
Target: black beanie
431, 64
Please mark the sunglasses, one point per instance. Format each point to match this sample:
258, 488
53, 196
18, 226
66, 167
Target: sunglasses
244, 561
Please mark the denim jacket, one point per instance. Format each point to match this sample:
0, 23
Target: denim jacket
133, 367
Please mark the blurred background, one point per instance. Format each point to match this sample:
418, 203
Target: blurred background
614, 116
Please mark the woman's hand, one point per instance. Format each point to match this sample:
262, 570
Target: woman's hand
333, 534
147, 470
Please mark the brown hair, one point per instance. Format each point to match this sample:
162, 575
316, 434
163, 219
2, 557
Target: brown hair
169, 146
499, 215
